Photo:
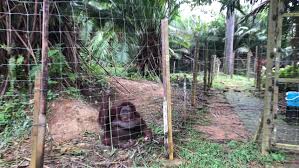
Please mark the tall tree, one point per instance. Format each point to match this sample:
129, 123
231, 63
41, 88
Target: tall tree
230, 6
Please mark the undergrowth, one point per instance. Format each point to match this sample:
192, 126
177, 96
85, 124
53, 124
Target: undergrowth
14, 121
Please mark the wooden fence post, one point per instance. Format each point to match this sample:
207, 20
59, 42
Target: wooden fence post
249, 55
232, 65
185, 99
173, 70
195, 74
167, 90
36, 153
205, 77
255, 65
277, 62
273, 30
255, 59
40, 99
213, 69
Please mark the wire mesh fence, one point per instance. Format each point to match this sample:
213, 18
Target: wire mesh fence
105, 84
99, 55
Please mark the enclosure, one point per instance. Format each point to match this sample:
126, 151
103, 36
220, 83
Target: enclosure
141, 83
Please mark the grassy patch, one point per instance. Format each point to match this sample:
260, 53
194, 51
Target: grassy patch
222, 81
238, 82
195, 151
199, 152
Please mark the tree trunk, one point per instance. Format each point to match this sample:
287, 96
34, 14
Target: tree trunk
229, 41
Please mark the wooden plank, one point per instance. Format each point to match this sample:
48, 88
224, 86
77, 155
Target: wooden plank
294, 14
293, 148
195, 75
167, 88
288, 80
267, 113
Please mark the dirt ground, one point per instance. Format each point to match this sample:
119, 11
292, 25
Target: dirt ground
69, 118
73, 134
225, 123
72, 138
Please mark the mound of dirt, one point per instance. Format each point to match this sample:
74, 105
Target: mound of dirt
147, 96
70, 118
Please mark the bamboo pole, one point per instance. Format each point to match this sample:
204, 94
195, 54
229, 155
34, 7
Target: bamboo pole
195, 74
167, 89
273, 29
37, 159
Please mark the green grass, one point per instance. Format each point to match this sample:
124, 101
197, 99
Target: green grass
200, 152
223, 81
194, 151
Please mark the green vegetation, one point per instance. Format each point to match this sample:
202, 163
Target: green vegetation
221, 81
14, 119
196, 151
289, 72
92, 40
192, 150
237, 82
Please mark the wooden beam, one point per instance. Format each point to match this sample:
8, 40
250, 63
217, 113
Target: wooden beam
288, 80
167, 115
287, 146
293, 14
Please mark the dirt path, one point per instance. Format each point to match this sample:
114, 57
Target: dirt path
225, 123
